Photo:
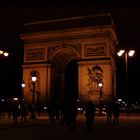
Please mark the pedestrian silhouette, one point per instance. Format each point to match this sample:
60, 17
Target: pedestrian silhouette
116, 113
15, 112
51, 113
72, 115
89, 113
109, 111
65, 108
23, 111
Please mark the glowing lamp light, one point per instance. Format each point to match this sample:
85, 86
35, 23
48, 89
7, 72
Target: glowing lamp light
6, 54
15, 99
120, 52
119, 100
100, 84
1, 52
131, 52
23, 84
34, 78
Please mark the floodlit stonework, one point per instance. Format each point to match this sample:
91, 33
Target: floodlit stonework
49, 46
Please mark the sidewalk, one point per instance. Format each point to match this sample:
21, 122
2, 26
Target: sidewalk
40, 129
5, 122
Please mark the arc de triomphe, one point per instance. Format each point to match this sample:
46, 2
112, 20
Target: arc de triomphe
70, 57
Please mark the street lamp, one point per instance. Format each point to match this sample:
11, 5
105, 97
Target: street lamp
34, 78
100, 84
127, 53
23, 85
5, 54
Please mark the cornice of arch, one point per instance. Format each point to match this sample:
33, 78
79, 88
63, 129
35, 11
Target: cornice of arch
69, 34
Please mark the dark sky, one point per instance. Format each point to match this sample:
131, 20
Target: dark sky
12, 17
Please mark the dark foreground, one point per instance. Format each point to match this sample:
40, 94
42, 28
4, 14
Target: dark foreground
40, 129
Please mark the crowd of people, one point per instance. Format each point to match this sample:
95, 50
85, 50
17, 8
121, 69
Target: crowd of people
14, 109
65, 113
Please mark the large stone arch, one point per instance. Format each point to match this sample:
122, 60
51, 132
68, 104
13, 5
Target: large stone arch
50, 46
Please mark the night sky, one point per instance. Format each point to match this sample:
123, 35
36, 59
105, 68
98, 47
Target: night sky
12, 17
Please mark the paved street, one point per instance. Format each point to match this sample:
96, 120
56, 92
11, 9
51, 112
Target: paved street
40, 129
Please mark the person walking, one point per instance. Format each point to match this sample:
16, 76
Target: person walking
23, 111
116, 113
15, 112
109, 111
51, 113
72, 115
89, 113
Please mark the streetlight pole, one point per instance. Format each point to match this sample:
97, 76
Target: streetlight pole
127, 53
100, 84
127, 94
23, 85
34, 78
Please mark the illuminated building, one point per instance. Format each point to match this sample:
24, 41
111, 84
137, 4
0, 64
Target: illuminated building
53, 47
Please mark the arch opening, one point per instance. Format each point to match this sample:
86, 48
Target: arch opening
64, 75
71, 80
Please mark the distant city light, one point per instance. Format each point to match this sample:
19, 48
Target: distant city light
19, 106
78, 100
15, 99
119, 100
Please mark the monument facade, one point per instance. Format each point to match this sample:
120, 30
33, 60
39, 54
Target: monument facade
70, 56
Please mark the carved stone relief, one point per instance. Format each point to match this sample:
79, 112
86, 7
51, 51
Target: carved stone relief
95, 75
